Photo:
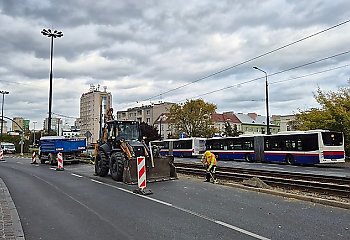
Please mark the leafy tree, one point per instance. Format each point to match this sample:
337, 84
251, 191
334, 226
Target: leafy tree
231, 132
193, 118
334, 114
150, 132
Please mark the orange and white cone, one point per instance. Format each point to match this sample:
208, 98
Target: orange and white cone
34, 158
59, 162
2, 155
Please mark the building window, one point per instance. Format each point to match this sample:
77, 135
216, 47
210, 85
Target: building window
148, 120
148, 112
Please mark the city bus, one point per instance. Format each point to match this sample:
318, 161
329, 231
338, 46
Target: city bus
183, 147
293, 147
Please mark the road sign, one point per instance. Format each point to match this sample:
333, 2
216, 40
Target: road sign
182, 135
88, 134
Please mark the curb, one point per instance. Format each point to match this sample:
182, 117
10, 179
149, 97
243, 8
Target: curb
291, 195
10, 218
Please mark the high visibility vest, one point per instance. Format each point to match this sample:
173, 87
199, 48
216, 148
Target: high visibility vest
211, 159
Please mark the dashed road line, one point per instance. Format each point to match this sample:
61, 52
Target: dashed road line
76, 175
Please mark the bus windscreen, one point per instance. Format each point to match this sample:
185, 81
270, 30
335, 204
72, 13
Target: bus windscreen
332, 139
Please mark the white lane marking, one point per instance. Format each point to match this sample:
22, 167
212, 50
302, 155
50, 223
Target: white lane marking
52, 168
188, 211
76, 175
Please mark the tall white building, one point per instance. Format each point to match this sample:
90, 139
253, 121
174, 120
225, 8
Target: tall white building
91, 104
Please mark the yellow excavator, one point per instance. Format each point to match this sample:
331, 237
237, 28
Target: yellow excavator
120, 145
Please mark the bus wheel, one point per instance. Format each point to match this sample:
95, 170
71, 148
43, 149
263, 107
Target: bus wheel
289, 159
248, 158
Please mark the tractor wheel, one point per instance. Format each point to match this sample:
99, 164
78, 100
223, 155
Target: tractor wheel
117, 166
101, 164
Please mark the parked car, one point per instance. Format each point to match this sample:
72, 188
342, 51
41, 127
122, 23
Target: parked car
8, 147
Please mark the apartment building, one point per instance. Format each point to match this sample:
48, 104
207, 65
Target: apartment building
91, 104
56, 125
147, 113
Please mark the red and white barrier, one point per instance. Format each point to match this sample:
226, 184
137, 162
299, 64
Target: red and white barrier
141, 177
59, 162
141, 172
34, 158
2, 155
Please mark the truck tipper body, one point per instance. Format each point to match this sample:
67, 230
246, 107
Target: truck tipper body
70, 148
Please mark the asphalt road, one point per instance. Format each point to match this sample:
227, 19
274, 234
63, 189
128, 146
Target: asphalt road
74, 204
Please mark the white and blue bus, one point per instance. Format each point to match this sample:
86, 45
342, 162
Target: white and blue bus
294, 147
183, 147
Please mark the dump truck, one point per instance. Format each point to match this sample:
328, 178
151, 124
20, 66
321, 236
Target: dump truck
70, 148
120, 145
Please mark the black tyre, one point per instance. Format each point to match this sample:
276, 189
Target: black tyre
289, 159
101, 164
248, 157
117, 166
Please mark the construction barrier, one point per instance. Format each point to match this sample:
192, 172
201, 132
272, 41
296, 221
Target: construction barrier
34, 158
141, 177
59, 162
2, 155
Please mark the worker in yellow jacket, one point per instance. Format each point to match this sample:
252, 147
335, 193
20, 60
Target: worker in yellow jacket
209, 160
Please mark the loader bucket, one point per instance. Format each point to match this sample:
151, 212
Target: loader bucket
163, 170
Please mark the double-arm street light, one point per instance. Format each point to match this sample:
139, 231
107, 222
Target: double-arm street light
267, 101
51, 34
2, 109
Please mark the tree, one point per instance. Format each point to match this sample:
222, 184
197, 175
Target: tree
231, 132
334, 114
193, 118
150, 132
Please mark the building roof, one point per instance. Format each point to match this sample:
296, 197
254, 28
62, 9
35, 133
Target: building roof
225, 117
245, 118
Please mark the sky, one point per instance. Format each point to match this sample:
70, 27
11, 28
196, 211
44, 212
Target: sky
172, 51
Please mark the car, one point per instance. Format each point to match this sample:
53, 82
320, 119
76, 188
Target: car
8, 147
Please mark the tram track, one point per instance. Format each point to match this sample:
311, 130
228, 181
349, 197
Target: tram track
327, 185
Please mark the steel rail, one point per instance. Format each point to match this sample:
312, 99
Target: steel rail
329, 185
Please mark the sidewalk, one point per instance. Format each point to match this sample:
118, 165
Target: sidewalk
10, 224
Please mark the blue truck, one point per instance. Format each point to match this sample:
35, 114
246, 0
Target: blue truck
70, 148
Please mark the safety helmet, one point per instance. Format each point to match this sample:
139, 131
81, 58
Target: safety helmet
207, 153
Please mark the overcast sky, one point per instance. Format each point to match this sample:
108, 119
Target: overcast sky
142, 49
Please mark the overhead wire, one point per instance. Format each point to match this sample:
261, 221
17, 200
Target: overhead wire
249, 60
276, 73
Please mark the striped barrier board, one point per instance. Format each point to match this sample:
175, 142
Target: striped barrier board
141, 177
1, 155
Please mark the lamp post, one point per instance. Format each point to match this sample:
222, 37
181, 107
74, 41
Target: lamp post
51, 34
2, 109
267, 101
34, 122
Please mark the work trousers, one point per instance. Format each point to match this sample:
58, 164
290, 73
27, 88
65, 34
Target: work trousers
211, 172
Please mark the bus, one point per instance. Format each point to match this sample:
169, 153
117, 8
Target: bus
183, 147
293, 147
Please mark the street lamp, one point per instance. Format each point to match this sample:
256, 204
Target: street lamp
267, 100
34, 122
2, 109
52, 35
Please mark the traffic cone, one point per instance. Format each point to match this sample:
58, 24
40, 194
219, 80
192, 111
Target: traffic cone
59, 162
34, 158
2, 155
